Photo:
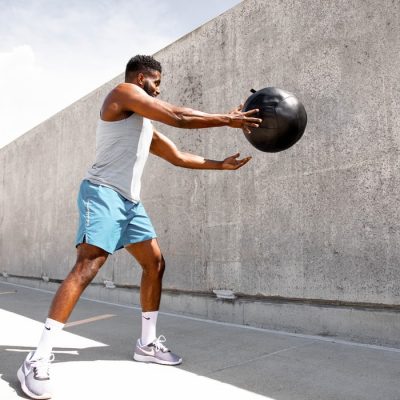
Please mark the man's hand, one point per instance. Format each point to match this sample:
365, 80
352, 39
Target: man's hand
244, 120
232, 163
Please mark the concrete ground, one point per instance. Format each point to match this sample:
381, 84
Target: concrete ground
94, 357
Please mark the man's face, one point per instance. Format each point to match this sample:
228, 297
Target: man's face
152, 81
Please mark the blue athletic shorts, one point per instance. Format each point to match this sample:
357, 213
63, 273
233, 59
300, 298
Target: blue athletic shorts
110, 221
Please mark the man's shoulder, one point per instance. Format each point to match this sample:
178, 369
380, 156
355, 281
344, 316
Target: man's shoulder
126, 87
127, 91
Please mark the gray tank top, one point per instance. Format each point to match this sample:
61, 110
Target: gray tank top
122, 148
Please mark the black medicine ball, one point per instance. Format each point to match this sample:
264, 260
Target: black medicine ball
284, 119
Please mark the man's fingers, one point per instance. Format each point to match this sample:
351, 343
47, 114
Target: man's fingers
243, 162
253, 121
251, 112
233, 163
249, 125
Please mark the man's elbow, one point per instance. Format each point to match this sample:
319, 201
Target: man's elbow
180, 120
178, 160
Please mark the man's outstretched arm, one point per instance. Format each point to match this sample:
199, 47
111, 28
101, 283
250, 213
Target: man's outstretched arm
130, 97
163, 147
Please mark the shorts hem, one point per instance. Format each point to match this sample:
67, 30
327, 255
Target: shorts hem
88, 241
143, 239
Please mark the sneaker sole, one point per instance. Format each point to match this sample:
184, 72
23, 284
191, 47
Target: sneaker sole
151, 359
21, 378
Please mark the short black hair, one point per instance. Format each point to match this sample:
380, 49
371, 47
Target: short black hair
142, 63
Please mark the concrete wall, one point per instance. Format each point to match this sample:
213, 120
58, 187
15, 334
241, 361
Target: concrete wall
318, 223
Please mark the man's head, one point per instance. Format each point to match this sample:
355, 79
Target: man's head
145, 72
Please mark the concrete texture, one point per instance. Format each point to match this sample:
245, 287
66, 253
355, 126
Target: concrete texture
356, 324
220, 360
317, 222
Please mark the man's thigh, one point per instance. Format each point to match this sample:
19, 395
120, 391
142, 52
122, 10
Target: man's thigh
146, 252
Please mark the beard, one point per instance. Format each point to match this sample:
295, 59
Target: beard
147, 89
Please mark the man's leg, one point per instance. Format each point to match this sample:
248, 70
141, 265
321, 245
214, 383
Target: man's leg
89, 260
34, 372
148, 255
150, 348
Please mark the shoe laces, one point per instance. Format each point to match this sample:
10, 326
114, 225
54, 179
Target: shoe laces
158, 344
41, 367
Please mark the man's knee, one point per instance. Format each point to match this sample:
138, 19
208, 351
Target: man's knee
161, 266
89, 260
155, 267
85, 270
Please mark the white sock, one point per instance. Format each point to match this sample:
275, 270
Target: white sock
149, 321
50, 331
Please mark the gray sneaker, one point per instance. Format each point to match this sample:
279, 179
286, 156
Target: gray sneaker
34, 377
156, 352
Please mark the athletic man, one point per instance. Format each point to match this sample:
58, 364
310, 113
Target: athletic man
111, 215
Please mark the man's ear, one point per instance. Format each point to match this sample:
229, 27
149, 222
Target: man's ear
140, 79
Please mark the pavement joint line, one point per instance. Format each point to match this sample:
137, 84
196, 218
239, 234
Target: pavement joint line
89, 320
263, 357
327, 339
73, 352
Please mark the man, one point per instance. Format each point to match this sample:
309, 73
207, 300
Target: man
111, 215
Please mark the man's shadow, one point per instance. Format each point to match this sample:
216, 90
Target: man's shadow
12, 358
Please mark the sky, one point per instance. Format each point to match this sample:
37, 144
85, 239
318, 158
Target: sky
54, 52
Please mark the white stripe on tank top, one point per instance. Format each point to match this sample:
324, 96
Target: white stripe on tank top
122, 148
